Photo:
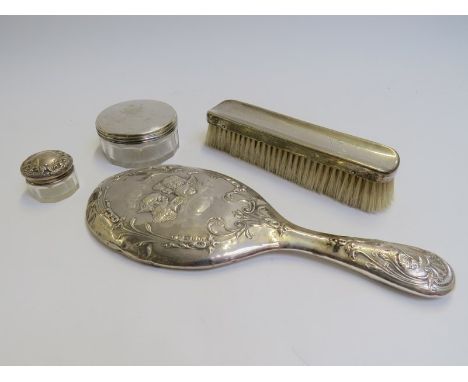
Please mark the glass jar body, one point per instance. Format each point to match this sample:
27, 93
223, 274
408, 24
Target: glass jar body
133, 155
54, 192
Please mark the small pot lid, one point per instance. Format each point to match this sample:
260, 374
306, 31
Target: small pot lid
47, 167
136, 121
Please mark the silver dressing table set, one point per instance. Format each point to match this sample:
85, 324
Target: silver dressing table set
189, 218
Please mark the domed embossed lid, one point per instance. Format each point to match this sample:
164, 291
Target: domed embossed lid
47, 167
136, 121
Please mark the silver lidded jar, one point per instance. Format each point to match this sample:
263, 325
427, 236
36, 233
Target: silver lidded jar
138, 133
50, 175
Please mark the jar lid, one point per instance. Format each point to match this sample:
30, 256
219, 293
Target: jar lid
136, 121
47, 167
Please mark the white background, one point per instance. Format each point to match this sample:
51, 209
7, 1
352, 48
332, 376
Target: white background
67, 299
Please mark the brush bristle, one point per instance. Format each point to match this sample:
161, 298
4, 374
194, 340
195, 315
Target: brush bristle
352, 190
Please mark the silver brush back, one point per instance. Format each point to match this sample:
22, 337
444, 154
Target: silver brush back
353, 170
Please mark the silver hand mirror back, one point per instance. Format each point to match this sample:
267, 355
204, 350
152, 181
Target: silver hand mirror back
189, 218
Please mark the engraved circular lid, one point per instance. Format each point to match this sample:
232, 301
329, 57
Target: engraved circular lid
46, 167
136, 121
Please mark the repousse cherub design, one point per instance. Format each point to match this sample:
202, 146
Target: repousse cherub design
169, 196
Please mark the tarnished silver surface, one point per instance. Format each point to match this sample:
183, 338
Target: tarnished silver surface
357, 156
46, 167
136, 121
189, 218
